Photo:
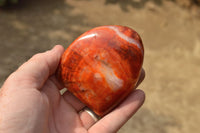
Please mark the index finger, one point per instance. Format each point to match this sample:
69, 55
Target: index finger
119, 116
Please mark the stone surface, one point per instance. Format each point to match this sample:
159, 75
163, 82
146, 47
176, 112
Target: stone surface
102, 66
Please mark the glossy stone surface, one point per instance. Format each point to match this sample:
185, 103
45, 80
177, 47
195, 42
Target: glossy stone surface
102, 66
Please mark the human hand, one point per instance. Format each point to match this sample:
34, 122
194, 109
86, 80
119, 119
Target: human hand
30, 102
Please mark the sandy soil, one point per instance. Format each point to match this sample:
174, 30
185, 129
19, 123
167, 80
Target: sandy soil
171, 36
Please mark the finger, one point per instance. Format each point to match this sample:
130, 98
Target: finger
73, 101
141, 78
57, 83
52, 92
118, 117
87, 117
35, 71
52, 87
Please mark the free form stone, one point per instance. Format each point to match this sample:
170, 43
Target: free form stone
102, 66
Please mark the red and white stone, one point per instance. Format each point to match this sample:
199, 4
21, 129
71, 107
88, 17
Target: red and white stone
102, 66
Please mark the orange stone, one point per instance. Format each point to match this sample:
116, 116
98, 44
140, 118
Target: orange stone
102, 66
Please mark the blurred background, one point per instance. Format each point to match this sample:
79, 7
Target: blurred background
170, 30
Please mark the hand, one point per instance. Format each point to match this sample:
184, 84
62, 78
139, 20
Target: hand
30, 102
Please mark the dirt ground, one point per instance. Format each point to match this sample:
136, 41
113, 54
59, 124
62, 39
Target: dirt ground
171, 37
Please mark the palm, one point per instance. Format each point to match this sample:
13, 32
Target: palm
63, 117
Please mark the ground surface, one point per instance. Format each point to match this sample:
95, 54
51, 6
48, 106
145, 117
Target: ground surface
171, 36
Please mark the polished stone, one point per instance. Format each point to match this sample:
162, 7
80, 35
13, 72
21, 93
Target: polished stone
102, 66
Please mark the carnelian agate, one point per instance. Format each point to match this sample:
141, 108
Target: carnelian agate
102, 66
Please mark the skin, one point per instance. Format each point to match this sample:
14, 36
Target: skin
30, 102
